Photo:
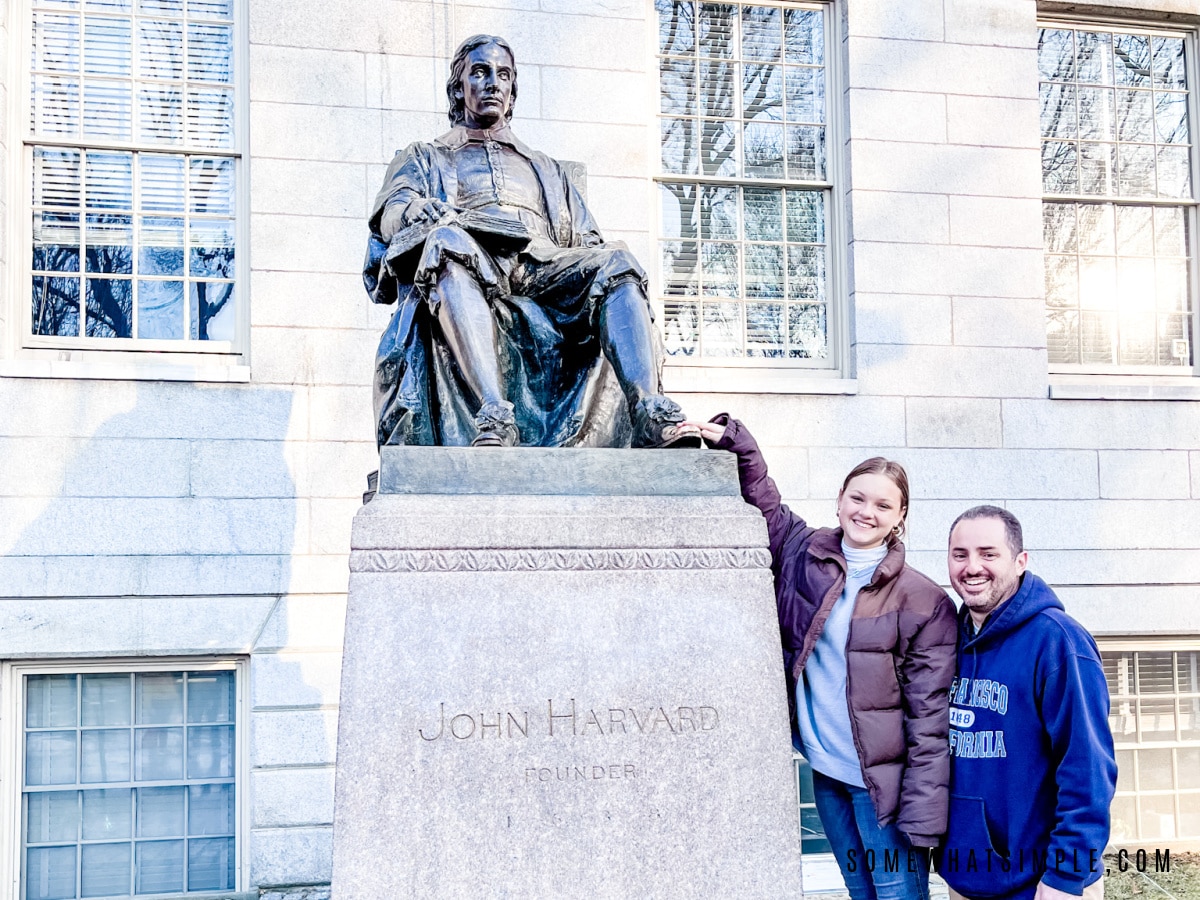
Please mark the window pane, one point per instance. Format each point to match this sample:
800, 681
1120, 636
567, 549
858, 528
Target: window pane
681, 328
210, 696
105, 756
722, 329
1060, 167
159, 867
107, 109
717, 29
1157, 818
54, 109
51, 816
676, 21
764, 150
212, 311
808, 331
162, 185
209, 117
105, 870
159, 698
1135, 115
160, 49
50, 873
161, 250
106, 46
50, 757
106, 700
109, 302
210, 53
160, 812
211, 864
49, 701
806, 152
803, 36
160, 115
1097, 114
211, 242
211, 809
1132, 61
210, 751
764, 217
107, 815
1188, 671
1062, 336
1095, 57
1168, 63
677, 85
1059, 111
766, 330
1135, 231
1056, 55
1154, 770
55, 306
159, 754
160, 309
1170, 116
805, 94
806, 217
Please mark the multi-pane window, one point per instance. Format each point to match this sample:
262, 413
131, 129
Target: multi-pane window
1117, 163
744, 183
1155, 720
128, 784
133, 161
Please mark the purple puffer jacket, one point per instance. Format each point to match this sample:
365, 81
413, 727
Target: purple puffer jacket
899, 656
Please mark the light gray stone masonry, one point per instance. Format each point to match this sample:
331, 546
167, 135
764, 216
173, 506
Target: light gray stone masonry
622, 635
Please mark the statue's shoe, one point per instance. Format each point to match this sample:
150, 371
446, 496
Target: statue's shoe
497, 426
656, 423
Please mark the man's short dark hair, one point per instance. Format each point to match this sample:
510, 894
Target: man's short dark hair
457, 112
1012, 528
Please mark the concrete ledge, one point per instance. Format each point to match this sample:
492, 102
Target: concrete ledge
557, 472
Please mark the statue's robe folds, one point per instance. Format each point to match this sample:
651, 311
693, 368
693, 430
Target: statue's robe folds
552, 367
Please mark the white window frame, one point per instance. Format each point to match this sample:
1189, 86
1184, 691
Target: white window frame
757, 375
12, 721
23, 354
1153, 645
1112, 382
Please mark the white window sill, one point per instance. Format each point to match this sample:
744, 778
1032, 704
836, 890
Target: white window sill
140, 370
737, 380
1124, 387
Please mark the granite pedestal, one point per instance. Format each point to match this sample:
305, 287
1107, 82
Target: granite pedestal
562, 678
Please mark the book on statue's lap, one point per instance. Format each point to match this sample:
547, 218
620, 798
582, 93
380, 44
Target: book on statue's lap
497, 234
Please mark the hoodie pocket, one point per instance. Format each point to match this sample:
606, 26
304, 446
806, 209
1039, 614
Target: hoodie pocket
970, 860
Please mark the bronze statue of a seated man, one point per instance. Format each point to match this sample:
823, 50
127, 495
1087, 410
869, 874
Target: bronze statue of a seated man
517, 323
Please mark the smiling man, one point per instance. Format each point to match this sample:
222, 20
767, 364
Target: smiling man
516, 322
1032, 770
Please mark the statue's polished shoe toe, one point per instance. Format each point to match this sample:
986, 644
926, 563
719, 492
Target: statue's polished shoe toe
497, 426
656, 423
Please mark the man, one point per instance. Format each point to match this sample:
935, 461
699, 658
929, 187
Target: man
526, 328
1032, 770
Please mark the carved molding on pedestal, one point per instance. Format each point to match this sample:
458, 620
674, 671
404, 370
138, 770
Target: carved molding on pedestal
558, 559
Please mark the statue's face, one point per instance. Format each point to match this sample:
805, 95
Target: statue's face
486, 86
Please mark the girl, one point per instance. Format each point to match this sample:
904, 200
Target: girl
869, 653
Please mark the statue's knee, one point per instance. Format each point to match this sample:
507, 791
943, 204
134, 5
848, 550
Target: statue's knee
453, 239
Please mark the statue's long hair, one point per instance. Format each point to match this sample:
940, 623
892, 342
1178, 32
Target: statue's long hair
457, 111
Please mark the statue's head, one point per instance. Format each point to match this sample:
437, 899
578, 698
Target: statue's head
482, 49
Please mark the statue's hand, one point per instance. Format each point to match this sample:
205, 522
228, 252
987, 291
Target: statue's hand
424, 211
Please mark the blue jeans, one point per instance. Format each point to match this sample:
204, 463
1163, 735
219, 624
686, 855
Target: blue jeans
877, 862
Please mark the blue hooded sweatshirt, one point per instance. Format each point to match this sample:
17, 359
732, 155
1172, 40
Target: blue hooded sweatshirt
1032, 771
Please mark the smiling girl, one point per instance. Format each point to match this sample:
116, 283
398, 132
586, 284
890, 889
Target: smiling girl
869, 653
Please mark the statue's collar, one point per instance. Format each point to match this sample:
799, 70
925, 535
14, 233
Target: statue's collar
459, 135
